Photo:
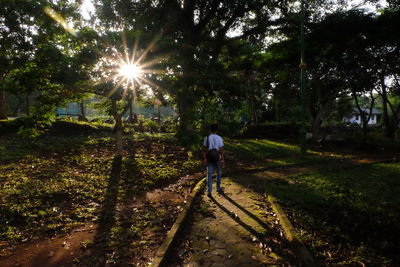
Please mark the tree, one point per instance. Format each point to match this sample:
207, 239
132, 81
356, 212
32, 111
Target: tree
27, 33
386, 58
193, 33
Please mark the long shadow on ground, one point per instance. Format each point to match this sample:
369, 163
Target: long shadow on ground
238, 220
349, 214
107, 217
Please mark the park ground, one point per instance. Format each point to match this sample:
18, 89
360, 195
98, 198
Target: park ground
65, 199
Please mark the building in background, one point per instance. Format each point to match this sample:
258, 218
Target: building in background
356, 118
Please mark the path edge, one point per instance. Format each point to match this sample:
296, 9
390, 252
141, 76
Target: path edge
163, 251
301, 251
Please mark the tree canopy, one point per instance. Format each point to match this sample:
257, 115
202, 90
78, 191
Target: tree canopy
212, 59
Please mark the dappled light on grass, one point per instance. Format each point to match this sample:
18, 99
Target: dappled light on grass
271, 153
251, 149
349, 214
60, 182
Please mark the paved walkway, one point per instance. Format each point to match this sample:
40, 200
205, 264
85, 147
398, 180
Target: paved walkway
236, 228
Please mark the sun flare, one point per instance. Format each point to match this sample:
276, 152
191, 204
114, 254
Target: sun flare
130, 71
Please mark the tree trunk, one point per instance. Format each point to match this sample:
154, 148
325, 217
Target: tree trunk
186, 93
158, 113
395, 122
364, 117
17, 107
253, 100
82, 115
317, 135
185, 117
118, 135
316, 129
131, 116
117, 128
386, 122
3, 113
254, 117
28, 104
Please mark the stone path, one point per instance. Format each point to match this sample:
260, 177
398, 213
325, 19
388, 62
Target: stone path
236, 228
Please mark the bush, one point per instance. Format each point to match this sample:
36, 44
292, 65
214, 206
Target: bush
230, 128
9, 126
150, 126
271, 130
169, 125
29, 127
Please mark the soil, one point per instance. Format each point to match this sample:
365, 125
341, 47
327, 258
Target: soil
69, 249
61, 250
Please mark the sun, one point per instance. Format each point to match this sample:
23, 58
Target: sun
130, 71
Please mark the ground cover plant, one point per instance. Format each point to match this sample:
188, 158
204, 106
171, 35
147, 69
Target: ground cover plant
262, 153
347, 216
69, 178
58, 182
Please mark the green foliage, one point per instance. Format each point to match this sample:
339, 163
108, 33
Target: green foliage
272, 130
192, 139
355, 207
59, 181
150, 125
169, 125
258, 149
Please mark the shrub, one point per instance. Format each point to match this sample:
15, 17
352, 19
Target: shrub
271, 130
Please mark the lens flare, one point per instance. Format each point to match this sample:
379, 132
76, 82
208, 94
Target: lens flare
127, 67
130, 71
60, 20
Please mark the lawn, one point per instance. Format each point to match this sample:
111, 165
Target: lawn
60, 181
68, 178
261, 153
346, 216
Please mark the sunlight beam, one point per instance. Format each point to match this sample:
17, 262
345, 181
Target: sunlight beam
130, 71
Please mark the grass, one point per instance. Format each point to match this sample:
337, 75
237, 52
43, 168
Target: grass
57, 182
68, 178
256, 153
346, 216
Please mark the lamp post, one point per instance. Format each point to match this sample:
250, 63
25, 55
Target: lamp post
302, 67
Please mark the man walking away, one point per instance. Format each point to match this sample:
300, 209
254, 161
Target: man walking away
213, 156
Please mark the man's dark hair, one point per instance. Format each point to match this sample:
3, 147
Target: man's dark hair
214, 128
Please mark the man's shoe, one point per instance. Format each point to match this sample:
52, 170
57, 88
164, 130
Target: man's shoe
209, 194
220, 191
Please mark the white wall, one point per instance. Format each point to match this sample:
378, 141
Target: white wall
357, 119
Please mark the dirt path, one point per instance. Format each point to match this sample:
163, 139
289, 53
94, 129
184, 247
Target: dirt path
63, 250
72, 249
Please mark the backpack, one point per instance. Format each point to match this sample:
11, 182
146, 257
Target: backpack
212, 154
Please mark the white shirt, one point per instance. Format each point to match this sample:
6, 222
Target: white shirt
214, 142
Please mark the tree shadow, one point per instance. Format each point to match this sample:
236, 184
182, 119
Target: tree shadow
248, 213
279, 245
65, 139
250, 229
112, 243
354, 205
107, 215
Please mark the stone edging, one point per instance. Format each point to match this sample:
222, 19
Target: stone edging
162, 252
301, 251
